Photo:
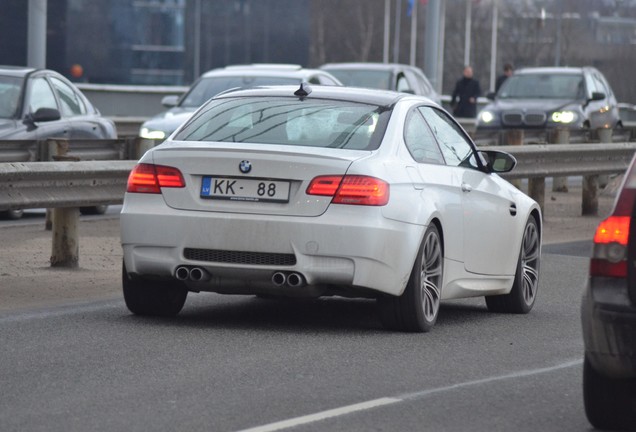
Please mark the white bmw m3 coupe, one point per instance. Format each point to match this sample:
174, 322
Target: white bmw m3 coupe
305, 192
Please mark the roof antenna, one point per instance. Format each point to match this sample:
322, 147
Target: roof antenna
304, 90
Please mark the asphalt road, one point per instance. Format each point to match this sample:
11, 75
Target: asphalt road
231, 363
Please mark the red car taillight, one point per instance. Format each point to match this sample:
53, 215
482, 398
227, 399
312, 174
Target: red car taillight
148, 178
351, 189
609, 257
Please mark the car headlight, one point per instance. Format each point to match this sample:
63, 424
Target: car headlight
565, 117
486, 117
151, 134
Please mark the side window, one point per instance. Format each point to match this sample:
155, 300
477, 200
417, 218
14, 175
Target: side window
72, 105
426, 85
606, 84
41, 95
403, 84
591, 86
420, 140
455, 146
601, 86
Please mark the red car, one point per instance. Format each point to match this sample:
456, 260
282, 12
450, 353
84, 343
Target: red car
608, 316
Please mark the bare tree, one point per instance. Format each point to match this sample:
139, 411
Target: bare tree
352, 30
346, 30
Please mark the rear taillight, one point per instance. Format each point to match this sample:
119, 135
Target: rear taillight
148, 178
351, 189
609, 257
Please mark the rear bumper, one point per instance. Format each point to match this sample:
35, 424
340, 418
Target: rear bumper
609, 327
349, 247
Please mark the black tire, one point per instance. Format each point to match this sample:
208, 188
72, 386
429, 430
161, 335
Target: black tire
610, 404
94, 210
526, 284
153, 298
416, 310
11, 214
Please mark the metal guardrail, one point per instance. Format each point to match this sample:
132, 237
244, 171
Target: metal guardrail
65, 186
128, 126
25, 185
563, 160
85, 183
83, 149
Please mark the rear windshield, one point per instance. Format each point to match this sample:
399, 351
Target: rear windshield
206, 88
289, 121
543, 86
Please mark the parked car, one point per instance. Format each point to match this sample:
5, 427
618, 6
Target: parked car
551, 97
36, 104
608, 316
222, 79
301, 191
384, 76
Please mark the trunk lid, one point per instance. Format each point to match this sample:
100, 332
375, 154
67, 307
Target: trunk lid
251, 178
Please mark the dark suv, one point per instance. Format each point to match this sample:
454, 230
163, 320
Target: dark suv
540, 98
608, 315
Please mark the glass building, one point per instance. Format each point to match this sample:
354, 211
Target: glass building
158, 42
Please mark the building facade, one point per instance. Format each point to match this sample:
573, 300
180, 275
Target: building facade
158, 42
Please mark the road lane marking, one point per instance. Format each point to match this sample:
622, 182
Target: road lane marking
375, 403
520, 374
57, 311
312, 418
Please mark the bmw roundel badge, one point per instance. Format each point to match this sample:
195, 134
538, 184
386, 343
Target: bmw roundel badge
245, 166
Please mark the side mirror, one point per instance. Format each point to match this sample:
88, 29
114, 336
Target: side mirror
597, 96
497, 161
491, 95
45, 115
170, 101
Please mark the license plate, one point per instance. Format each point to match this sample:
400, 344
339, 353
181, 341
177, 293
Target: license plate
245, 189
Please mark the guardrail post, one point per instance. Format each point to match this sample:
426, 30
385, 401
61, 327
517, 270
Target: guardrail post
605, 135
142, 145
536, 190
65, 250
560, 136
57, 151
63, 221
514, 137
589, 194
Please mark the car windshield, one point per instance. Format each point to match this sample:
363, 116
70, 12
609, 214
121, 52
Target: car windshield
363, 78
289, 121
9, 96
543, 86
206, 88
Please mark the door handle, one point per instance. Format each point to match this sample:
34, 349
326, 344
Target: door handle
466, 187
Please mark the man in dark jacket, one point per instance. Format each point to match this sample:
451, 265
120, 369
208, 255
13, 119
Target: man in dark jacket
467, 90
507, 71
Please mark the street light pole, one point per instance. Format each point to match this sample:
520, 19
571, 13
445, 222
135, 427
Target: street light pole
387, 29
432, 45
36, 37
493, 45
413, 32
397, 31
557, 54
197, 40
468, 25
